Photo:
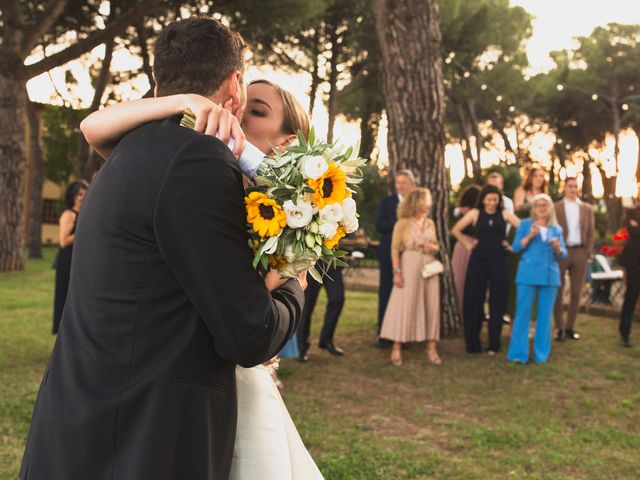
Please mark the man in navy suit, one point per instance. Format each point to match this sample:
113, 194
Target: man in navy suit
387, 216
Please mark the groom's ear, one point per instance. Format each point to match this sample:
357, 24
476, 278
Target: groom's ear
236, 90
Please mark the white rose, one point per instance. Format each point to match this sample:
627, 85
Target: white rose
313, 167
350, 215
349, 207
328, 230
331, 213
351, 224
298, 214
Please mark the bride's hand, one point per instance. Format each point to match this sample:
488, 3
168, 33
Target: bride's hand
213, 119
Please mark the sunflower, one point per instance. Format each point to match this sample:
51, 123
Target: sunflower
330, 187
332, 242
264, 214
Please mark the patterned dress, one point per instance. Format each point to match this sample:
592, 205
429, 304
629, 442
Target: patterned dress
413, 312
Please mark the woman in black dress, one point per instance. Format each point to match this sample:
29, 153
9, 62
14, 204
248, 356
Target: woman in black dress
488, 267
72, 201
630, 259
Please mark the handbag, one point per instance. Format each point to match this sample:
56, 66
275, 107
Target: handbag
432, 268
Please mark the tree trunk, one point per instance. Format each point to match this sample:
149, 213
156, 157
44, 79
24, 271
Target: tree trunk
315, 75
587, 191
13, 99
477, 165
146, 60
637, 132
410, 45
613, 203
88, 161
464, 130
333, 79
36, 183
367, 136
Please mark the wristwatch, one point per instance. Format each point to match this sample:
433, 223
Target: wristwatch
397, 270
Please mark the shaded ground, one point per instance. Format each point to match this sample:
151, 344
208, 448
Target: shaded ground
577, 417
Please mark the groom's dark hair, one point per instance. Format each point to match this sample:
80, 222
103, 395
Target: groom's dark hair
195, 56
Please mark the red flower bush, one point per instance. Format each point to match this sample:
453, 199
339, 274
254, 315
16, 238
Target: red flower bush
618, 243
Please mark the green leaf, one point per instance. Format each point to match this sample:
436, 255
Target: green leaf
256, 260
315, 274
341, 263
270, 245
312, 136
302, 141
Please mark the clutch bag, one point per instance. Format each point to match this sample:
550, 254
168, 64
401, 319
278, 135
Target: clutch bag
432, 268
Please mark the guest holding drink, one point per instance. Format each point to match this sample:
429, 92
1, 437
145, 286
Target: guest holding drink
67, 228
542, 244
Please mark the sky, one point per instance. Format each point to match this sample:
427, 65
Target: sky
555, 25
557, 22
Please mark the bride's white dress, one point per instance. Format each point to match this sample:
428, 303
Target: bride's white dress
268, 446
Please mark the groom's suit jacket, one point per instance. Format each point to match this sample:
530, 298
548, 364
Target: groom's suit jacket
162, 305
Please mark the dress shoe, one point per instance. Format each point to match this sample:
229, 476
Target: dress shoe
561, 335
625, 342
303, 357
332, 349
384, 343
571, 335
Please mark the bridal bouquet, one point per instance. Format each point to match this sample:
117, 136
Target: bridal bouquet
301, 206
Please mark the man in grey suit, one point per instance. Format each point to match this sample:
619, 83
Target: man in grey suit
578, 222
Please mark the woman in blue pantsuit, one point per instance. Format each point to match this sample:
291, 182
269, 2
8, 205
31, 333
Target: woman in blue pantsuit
542, 245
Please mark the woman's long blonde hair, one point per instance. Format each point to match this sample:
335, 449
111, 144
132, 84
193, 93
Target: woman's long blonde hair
295, 117
552, 216
408, 207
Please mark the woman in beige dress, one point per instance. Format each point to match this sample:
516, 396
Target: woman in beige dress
413, 312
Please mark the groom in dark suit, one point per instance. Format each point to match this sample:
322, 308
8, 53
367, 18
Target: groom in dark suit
163, 301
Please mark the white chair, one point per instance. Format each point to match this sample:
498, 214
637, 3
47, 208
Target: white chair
607, 275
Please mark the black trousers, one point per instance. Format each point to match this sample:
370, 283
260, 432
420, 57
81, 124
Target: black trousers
384, 291
334, 286
483, 274
630, 300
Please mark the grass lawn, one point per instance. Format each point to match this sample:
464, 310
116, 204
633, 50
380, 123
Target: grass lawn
577, 417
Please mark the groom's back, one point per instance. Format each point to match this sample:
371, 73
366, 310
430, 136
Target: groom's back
130, 340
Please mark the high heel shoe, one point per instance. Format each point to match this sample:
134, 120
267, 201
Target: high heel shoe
396, 358
434, 358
